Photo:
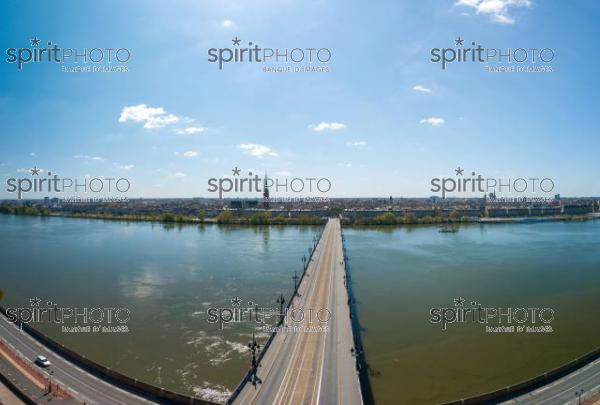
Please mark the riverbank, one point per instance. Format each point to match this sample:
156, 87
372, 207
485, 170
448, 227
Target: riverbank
225, 217
232, 217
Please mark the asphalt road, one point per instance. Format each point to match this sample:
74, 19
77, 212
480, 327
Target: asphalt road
308, 367
562, 391
82, 385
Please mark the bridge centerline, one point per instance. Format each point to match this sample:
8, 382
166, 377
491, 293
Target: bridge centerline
306, 366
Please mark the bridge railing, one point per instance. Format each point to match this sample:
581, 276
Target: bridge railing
248, 375
151, 392
361, 361
20, 392
504, 394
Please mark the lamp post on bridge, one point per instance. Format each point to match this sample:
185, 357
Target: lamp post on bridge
281, 302
578, 394
50, 373
296, 278
254, 347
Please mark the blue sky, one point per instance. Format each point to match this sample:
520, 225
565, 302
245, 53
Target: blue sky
381, 135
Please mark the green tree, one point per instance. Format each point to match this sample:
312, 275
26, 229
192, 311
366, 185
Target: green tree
260, 218
454, 215
225, 217
6, 209
427, 220
168, 217
279, 219
386, 219
410, 219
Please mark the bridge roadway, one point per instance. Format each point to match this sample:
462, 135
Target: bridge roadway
79, 383
307, 367
562, 391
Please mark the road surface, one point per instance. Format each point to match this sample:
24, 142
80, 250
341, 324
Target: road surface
308, 367
562, 391
82, 385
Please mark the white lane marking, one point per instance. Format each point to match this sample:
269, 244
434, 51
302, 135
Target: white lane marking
269, 361
285, 381
54, 356
570, 387
329, 300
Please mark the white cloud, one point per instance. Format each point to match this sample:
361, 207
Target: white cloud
227, 23
283, 173
258, 150
124, 167
345, 164
188, 154
178, 175
23, 170
191, 130
32, 154
89, 158
433, 121
497, 9
150, 116
357, 143
503, 19
421, 89
331, 126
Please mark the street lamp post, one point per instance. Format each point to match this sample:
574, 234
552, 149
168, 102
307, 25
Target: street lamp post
281, 302
50, 373
254, 347
295, 278
578, 394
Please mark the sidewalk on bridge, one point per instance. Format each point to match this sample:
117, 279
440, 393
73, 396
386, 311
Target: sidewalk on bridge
594, 400
7, 397
16, 374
